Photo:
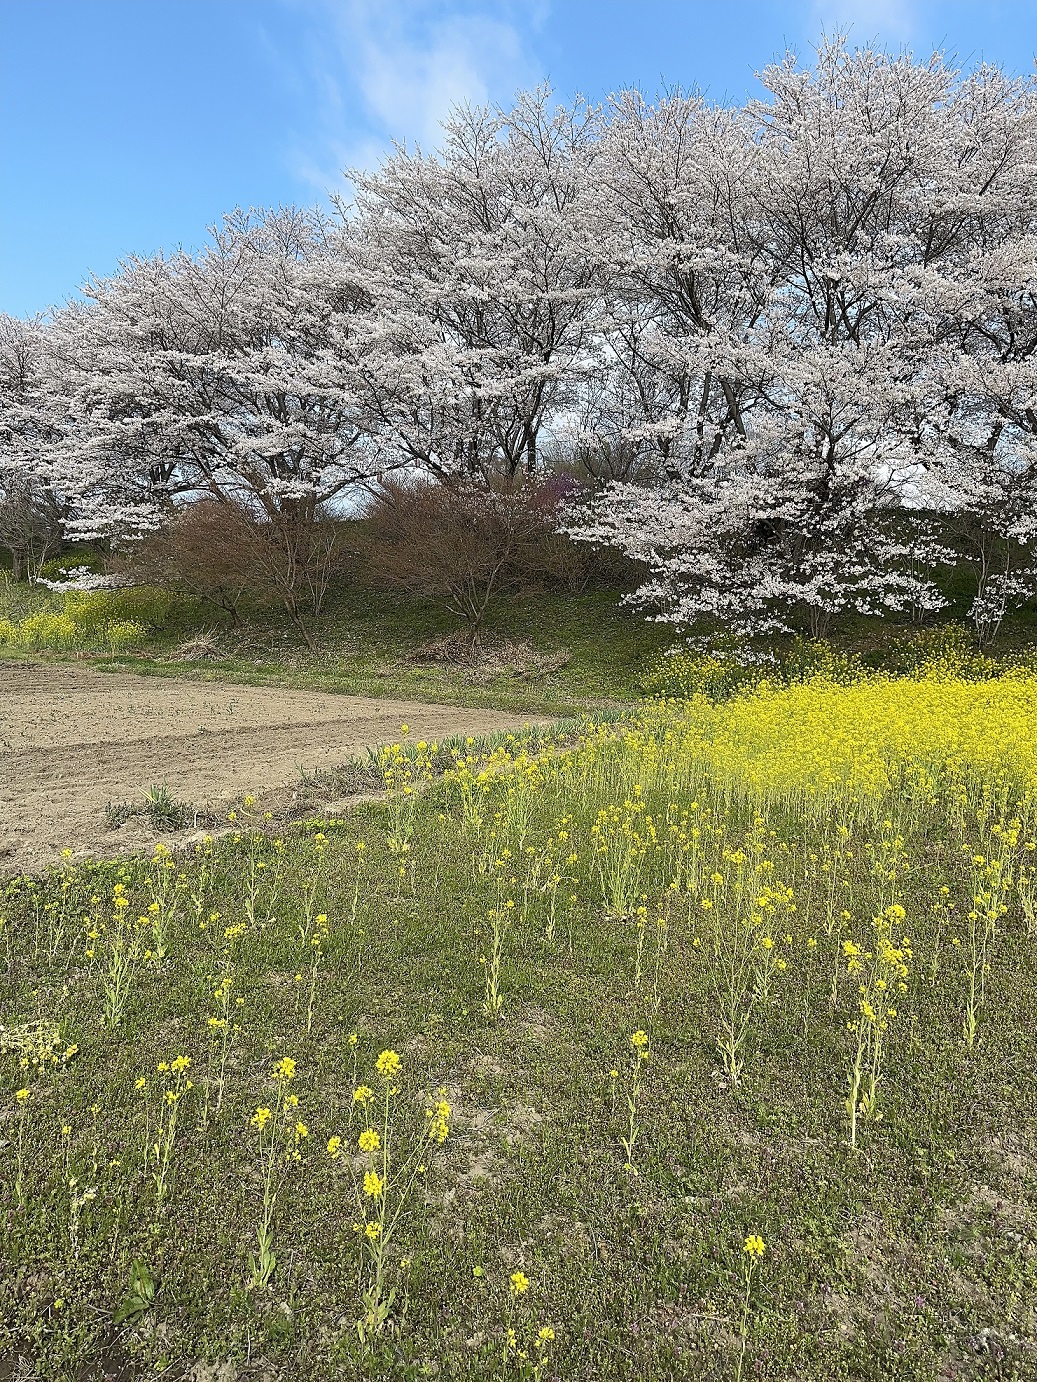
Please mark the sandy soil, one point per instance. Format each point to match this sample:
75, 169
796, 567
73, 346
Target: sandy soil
73, 739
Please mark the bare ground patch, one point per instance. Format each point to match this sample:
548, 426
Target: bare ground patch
73, 739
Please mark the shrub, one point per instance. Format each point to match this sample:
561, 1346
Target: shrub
222, 552
201, 552
464, 542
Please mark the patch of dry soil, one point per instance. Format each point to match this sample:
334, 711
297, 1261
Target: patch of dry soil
73, 739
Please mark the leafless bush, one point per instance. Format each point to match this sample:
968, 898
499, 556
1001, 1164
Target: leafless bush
465, 542
202, 551
221, 551
293, 554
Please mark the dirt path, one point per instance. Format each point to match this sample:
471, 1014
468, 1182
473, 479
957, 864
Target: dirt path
73, 739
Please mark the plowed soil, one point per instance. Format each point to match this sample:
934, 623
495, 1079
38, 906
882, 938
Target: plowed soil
73, 739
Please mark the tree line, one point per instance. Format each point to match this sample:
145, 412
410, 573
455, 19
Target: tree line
784, 350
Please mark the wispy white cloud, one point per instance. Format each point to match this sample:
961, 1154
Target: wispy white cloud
895, 20
411, 69
384, 70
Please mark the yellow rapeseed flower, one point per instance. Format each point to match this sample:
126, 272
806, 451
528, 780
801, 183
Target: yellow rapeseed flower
373, 1184
755, 1246
388, 1064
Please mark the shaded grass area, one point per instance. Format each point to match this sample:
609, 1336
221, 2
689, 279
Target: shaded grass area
912, 1257
367, 642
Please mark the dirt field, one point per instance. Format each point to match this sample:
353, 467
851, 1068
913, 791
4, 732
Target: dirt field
73, 739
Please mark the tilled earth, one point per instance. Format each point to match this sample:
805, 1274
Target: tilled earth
73, 739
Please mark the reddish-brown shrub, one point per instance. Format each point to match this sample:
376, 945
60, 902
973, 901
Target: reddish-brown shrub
219, 551
465, 542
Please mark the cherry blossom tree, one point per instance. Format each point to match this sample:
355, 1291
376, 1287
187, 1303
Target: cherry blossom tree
479, 266
771, 254
31, 509
226, 370
980, 432
675, 225
227, 374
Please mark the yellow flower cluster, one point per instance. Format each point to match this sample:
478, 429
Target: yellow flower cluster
869, 738
388, 1065
438, 1119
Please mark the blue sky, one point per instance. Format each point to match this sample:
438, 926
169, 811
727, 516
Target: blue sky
130, 125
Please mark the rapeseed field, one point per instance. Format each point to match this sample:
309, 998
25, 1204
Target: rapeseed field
695, 1044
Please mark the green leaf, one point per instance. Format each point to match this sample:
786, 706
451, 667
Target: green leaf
141, 1294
